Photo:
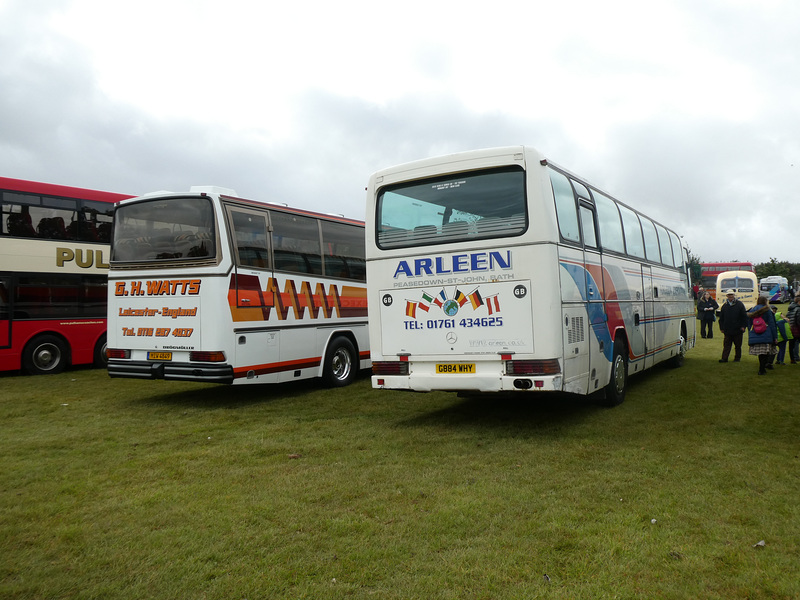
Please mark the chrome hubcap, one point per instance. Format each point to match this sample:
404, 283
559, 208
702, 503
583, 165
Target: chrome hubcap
341, 364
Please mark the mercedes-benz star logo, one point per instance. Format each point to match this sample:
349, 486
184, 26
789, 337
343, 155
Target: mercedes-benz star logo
451, 338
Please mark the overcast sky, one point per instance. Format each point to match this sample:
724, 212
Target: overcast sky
688, 111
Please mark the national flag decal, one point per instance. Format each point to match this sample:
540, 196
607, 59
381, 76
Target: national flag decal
460, 298
493, 304
475, 299
425, 304
451, 304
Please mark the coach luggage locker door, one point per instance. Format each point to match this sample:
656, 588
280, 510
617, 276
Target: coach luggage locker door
649, 314
251, 298
600, 343
635, 323
574, 321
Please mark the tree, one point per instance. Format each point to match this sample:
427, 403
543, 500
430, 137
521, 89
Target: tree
694, 265
774, 267
781, 268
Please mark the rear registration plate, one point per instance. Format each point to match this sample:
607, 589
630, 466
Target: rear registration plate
455, 368
159, 356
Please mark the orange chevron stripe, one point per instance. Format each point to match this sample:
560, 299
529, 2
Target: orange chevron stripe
248, 302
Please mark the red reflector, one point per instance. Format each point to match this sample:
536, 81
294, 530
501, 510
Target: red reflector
381, 381
389, 368
533, 367
207, 356
538, 383
117, 353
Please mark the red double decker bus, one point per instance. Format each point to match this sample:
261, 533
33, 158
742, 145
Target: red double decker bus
54, 247
710, 270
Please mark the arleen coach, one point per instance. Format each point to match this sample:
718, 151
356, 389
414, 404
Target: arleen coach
496, 270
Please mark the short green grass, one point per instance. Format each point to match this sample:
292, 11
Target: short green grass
139, 489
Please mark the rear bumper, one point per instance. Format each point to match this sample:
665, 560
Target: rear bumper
139, 369
478, 383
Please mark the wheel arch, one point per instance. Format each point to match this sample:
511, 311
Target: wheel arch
621, 334
336, 333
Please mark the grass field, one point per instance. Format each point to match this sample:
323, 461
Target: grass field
139, 489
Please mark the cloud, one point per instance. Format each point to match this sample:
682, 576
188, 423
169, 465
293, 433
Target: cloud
687, 113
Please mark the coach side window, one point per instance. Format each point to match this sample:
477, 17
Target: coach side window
677, 255
250, 235
295, 242
587, 223
29, 215
633, 232
343, 251
94, 224
609, 223
650, 240
566, 212
666, 247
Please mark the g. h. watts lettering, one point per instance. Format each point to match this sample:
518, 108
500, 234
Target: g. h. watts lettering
162, 287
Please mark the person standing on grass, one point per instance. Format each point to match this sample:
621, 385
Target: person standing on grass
791, 318
706, 310
732, 323
784, 334
762, 343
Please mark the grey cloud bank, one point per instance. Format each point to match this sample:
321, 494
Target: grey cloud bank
713, 154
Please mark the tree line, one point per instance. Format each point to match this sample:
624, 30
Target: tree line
775, 267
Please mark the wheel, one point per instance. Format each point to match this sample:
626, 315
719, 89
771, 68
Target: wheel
43, 355
100, 358
614, 392
340, 363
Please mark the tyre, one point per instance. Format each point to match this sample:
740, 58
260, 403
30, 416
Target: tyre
100, 358
341, 363
614, 392
46, 354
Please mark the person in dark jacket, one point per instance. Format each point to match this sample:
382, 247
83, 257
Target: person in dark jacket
733, 323
762, 343
791, 318
706, 312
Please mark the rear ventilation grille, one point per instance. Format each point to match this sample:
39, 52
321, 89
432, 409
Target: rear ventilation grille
575, 333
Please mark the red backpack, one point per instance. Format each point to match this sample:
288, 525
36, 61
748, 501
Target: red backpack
759, 325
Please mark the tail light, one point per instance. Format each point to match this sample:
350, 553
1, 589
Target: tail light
207, 356
533, 367
394, 367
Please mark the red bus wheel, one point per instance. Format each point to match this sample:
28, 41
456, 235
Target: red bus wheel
44, 355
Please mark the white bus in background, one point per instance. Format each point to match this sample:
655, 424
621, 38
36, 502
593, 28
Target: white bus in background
744, 285
775, 288
496, 270
205, 286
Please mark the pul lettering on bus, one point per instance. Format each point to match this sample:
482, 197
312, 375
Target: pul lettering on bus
82, 257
